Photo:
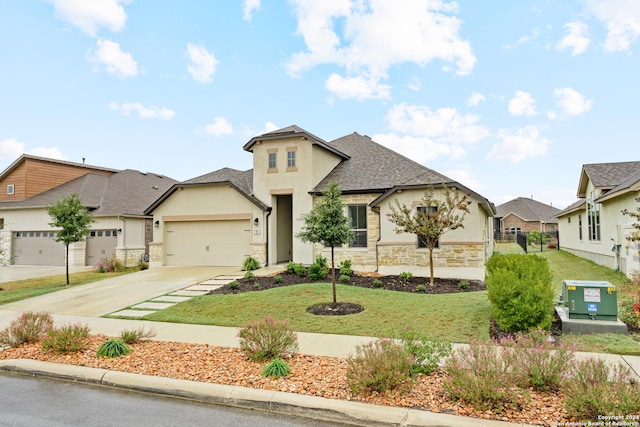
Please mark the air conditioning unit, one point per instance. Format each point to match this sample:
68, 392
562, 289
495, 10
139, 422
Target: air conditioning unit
586, 299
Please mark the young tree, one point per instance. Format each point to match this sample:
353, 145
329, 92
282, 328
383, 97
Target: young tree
636, 236
435, 217
73, 219
327, 224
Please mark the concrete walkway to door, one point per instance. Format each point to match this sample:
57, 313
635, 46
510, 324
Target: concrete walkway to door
109, 295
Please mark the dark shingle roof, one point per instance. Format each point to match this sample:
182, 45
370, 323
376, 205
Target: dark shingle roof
293, 131
241, 179
127, 192
609, 175
577, 205
375, 168
529, 210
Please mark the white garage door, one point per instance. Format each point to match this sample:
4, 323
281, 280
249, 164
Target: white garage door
100, 244
37, 248
216, 243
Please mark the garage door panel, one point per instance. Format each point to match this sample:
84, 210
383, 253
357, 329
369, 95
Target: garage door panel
215, 243
100, 244
37, 248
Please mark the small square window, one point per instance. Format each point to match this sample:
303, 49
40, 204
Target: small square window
10, 189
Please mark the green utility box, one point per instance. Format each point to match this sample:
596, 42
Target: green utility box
586, 299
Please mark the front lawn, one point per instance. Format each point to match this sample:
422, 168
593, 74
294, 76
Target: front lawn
456, 317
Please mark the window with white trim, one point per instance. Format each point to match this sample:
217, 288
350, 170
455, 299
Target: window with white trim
291, 159
272, 160
593, 218
11, 189
357, 215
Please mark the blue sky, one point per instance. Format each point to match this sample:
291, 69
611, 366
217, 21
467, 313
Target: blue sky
508, 97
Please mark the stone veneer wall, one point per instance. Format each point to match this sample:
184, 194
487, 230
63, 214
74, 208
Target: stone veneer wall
259, 252
448, 255
155, 254
131, 256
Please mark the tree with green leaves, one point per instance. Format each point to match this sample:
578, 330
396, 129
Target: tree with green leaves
73, 219
327, 224
434, 217
636, 236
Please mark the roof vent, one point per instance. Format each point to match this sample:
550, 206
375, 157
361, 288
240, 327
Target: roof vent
155, 187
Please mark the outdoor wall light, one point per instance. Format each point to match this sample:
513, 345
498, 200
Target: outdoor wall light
119, 230
256, 222
156, 224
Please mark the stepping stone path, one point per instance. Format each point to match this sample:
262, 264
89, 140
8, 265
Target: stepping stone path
173, 298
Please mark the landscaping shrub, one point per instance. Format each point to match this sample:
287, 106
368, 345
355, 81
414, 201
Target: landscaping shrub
256, 285
267, 338
250, 264
406, 276
27, 328
113, 348
421, 288
377, 283
596, 388
426, 352
379, 366
277, 368
629, 311
521, 291
479, 376
131, 336
67, 339
345, 268
537, 361
319, 269
345, 278
278, 279
233, 285
109, 265
463, 285
296, 268
249, 275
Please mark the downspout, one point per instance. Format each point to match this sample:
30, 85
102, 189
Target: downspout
124, 234
376, 209
266, 231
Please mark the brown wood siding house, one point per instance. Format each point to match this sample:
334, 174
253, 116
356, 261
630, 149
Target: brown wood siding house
31, 175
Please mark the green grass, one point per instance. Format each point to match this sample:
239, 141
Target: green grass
605, 343
455, 317
27, 288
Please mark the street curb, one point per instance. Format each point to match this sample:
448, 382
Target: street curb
275, 402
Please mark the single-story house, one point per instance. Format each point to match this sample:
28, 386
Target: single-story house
524, 215
222, 217
594, 227
116, 198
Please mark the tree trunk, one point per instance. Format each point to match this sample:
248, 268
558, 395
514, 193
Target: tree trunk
67, 262
333, 277
431, 266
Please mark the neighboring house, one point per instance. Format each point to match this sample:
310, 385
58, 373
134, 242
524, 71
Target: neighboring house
223, 217
594, 226
524, 215
117, 199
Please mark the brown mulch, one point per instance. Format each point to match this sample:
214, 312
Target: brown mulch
311, 375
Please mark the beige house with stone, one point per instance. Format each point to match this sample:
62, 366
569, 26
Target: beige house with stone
222, 217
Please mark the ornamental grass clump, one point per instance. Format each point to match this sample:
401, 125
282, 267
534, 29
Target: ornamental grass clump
267, 338
29, 327
67, 339
277, 368
537, 361
113, 348
378, 366
132, 336
479, 376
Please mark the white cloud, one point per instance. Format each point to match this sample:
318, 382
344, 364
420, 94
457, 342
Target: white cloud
11, 148
91, 15
419, 149
522, 104
520, 144
347, 33
203, 63
465, 177
249, 7
358, 87
475, 99
577, 40
524, 39
115, 61
415, 84
443, 124
622, 19
143, 112
219, 127
572, 102
268, 127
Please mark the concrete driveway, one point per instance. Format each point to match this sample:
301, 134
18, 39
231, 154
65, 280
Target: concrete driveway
10, 273
109, 295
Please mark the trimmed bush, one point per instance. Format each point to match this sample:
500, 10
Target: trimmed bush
378, 366
426, 352
521, 292
278, 279
406, 276
479, 376
463, 285
249, 275
296, 268
377, 283
29, 327
345, 268
267, 338
319, 269
250, 264
344, 278
131, 336
113, 348
233, 285
596, 388
277, 368
421, 288
67, 339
